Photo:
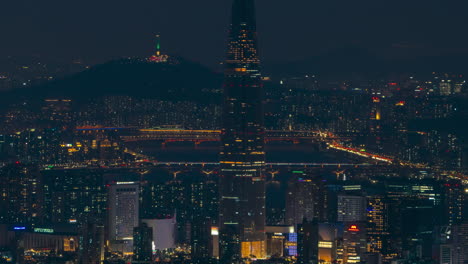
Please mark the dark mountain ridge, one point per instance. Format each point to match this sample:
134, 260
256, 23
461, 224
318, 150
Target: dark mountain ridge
176, 80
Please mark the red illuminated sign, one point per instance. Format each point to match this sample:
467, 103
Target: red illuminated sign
353, 228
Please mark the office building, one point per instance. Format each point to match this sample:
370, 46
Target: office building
329, 235
92, 244
307, 242
351, 208
377, 223
305, 199
201, 240
123, 203
354, 242
142, 244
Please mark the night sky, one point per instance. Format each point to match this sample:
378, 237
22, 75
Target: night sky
289, 30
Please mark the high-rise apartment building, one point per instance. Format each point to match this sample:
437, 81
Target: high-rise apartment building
20, 194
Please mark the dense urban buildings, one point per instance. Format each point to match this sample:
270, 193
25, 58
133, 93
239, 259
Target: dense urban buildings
158, 159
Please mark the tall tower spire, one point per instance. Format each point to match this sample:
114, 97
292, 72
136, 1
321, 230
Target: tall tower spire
242, 185
158, 57
158, 45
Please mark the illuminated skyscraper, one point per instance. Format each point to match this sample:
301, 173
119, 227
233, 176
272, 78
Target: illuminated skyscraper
242, 185
445, 87
377, 223
354, 242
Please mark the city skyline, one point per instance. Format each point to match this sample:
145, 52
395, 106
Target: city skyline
356, 156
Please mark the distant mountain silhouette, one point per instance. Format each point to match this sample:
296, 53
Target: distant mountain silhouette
182, 80
190, 81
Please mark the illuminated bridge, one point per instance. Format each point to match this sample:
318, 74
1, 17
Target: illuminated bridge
199, 136
185, 164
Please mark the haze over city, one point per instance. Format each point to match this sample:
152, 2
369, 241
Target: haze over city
196, 30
